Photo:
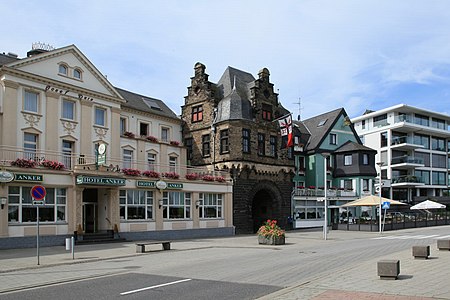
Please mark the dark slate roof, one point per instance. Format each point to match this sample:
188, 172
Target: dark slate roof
6, 59
147, 104
300, 128
350, 146
319, 126
233, 107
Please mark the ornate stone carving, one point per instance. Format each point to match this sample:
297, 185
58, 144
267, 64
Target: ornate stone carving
101, 132
69, 127
31, 120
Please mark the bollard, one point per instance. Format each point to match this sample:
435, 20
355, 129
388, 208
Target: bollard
68, 244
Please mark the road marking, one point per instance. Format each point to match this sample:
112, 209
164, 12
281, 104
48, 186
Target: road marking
154, 287
443, 237
410, 237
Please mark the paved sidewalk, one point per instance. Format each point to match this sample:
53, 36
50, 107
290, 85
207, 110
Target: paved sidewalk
419, 279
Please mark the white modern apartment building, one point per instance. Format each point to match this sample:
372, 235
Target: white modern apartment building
412, 145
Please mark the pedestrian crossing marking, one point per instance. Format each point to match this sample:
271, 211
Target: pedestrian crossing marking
411, 237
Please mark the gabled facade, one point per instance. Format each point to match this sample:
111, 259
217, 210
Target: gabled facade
329, 155
230, 125
110, 160
413, 146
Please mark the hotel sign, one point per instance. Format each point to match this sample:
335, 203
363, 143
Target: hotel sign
160, 184
6, 176
28, 177
98, 180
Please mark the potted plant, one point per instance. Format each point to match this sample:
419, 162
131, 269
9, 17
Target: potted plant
171, 175
271, 234
208, 178
131, 172
152, 139
54, 165
174, 143
24, 163
129, 134
220, 179
192, 176
151, 174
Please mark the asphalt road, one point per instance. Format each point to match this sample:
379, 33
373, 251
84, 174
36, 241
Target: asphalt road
226, 272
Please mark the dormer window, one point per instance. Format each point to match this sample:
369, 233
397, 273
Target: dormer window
63, 70
267, 112
77, 73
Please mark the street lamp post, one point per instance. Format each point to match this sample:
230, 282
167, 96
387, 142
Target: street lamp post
379, 164
325, 224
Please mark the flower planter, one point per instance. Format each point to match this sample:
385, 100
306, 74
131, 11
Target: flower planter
271, 240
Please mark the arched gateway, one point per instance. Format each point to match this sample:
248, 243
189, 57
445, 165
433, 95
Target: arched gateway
265, 202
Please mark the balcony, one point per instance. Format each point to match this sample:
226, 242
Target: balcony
406, 181
406, 162
408, 123
19, 158
320, 192
404, 143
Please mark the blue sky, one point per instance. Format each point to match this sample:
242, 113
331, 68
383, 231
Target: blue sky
353, 54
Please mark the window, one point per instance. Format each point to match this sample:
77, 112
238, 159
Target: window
437, 144
197, 113
246, 140
365, 159
127, 158
333, 139
77, 73
267, 112
365, 185
100, 116
348, 184
425, 157
224, 146
143, 129
136, 204
322, 122
205, 145
348, 160
165, 134
30, 144
21, 208
172, 164
176, 205
380, 120
31, 101
211, 205
261, 144
439, 161
123, 125
383, 139
62, 70
273, 145
151, 161
68, 109
422, 140
438, 178
301, 163
363, 124
188, 142
438, 123
422, 176
67, 149
421, 120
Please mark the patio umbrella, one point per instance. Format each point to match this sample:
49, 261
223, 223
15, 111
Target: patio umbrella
371, 200
427, 204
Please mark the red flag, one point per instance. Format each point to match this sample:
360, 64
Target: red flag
286, 131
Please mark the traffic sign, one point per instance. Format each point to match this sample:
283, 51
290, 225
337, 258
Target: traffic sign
38, 192
386, 205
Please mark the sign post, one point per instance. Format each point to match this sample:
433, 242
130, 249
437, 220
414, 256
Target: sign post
386, 205
38, 193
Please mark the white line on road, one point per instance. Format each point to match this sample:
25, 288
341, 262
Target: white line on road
443, 237
154, 287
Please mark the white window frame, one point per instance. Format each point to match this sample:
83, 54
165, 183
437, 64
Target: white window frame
64, 112
127, 158
348, 160
165, 134
136, 199
99, 122
176, 200
31, 104
151, 161
210, 201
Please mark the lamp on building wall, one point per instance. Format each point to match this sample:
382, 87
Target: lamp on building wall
325, 224
197, 203
160, 203
3, 201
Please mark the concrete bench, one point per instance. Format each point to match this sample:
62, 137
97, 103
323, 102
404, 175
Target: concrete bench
140, 246
421, 251
388, 269
443, 244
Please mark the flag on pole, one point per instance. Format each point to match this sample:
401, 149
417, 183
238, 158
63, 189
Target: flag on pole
285, 123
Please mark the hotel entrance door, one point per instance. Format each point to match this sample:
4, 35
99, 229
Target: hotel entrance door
90, 211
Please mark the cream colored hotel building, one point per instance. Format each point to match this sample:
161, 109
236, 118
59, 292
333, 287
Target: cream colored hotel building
110, 160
